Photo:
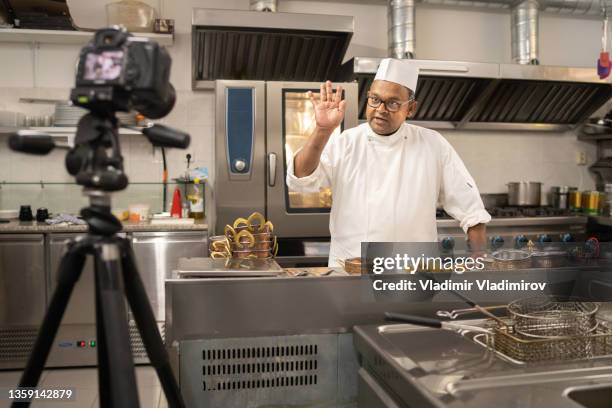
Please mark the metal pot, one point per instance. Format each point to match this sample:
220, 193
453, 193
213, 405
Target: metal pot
524, 193
560, 196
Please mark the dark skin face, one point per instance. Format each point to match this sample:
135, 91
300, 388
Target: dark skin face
380, 119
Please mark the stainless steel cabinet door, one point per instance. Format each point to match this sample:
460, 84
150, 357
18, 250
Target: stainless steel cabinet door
81, 308
22, 279
157, 255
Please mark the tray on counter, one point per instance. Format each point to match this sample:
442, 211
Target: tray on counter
226, 268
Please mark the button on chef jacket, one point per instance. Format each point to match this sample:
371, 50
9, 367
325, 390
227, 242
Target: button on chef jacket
386, 188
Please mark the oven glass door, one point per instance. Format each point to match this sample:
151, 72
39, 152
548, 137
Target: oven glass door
290, 122
298, 125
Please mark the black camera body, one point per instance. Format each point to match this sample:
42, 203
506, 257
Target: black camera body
120, 72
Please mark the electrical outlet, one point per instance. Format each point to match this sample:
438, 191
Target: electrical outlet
581, 158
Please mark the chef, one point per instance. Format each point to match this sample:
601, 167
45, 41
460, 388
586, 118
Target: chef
386, 176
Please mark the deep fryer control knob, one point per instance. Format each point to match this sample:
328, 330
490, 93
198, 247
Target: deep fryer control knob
448, 243
567, 237
544, 238
239, 165
497, 242
520, 241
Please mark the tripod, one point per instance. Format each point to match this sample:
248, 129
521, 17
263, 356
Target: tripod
98, 165
115, 275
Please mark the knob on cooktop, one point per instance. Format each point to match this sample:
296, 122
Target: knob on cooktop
497, 242
448, 242
567, 237
520, 241
544, 238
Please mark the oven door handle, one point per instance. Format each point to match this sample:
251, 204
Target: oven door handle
271, 169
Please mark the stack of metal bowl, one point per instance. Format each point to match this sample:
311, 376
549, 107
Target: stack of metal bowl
250, 237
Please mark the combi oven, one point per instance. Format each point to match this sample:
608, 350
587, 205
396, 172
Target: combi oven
259, 126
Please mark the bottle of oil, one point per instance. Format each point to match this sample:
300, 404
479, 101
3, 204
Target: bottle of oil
195, 197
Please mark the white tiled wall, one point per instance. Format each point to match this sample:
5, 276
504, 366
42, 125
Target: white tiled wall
494, 158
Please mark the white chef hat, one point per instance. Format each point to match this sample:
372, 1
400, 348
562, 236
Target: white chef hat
401, 72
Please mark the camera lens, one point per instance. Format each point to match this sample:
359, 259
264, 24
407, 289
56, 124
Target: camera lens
156, 108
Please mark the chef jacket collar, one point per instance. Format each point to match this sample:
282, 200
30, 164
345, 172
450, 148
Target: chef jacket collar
388, 140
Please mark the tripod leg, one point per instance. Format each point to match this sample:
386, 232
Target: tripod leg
70, 270
117, 382
145, 320
102, 352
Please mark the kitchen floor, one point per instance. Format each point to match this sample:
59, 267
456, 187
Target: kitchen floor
85, 383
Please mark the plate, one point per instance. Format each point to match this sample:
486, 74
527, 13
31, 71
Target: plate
9, 214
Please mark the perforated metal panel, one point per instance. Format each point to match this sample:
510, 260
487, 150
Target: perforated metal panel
260, 367
16, 343
138, 349
254, 372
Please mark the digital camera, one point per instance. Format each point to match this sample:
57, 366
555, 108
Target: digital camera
119, 72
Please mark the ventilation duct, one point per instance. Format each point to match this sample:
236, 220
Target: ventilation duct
524, 32
401, 33
264, 5
567, 7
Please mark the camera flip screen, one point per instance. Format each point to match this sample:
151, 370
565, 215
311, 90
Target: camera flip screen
104, 66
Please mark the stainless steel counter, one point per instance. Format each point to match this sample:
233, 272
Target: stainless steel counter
425, 367
521, 221
28, 275
33, 227
211, 322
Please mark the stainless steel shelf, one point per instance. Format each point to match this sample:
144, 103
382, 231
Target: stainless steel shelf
59, 131
63, 183
67, 37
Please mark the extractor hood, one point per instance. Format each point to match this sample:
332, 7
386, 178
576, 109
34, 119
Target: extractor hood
469, 95
255, 45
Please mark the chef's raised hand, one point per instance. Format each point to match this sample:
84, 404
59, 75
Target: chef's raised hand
329, 111
329, 107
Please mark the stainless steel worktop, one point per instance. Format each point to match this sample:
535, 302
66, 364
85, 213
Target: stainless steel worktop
436, 368
201, 225
520, 221
33, 227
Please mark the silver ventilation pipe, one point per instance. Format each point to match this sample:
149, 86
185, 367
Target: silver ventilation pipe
524, 32
568, 7
264, 5
401, 32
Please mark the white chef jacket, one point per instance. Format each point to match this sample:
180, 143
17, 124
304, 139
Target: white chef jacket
386, 188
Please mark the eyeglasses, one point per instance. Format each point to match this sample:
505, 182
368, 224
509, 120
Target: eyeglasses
392, 106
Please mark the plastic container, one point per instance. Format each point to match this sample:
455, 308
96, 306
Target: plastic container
134, 15
139, 213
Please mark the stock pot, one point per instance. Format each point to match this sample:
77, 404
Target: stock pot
524, 193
